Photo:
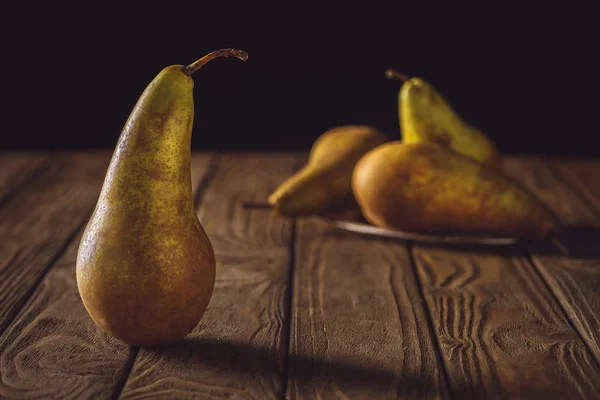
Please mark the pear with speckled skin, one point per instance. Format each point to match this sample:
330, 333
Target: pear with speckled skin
425, 116
145, 266
423, 187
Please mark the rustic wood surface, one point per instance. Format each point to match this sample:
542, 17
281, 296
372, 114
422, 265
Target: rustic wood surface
359, 328
500, 331
51, 350
301, 310
16, 169
37, 223
572, 190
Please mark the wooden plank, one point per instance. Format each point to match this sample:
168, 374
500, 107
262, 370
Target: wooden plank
238, 348
501, 332
536, 175
359, 328
37, 224
53, 349
583, 176
201, 169
574, 280
16, 169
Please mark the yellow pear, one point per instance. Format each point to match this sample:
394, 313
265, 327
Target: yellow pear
425, 116
424, 187
325, 181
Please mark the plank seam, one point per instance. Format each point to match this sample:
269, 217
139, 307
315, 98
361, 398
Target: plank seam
127, 372
393, 273
288, 311
429, 317
290, 300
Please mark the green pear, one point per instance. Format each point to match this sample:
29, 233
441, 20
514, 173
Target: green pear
425, 116
145, 266
325, 181
426, 188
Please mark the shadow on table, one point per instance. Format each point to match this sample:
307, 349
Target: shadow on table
330, 378
264, 365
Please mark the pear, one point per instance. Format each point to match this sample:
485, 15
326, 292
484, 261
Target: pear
425, 116
426, 188
145, 266
325, 181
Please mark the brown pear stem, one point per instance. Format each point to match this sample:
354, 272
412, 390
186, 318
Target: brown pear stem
196, 65
395, 74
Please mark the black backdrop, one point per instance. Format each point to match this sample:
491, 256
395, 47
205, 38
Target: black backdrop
72, 75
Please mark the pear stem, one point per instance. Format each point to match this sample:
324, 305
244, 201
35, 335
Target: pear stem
196, 65
395, 74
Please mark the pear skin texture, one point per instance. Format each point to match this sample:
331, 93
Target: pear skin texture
325, 181
425, 116
145, 266
426, 188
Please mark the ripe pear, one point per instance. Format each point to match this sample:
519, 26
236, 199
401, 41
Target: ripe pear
325, 181
426, 188
425, 116
145, 266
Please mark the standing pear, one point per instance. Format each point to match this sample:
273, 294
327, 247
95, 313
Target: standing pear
145, 266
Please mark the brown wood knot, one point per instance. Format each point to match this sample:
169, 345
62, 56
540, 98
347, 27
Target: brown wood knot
453, 344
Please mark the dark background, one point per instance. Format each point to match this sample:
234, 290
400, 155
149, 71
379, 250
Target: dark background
71, 75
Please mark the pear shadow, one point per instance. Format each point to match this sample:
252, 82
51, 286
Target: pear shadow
264, 363
304, 374
577, 241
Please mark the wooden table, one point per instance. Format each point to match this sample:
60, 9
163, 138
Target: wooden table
301, 310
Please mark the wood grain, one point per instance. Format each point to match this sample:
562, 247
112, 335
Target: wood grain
536, 175
501, 332
238, 348
53, 349
16, 168
200, 171
574, 280
359, 328
36, 225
